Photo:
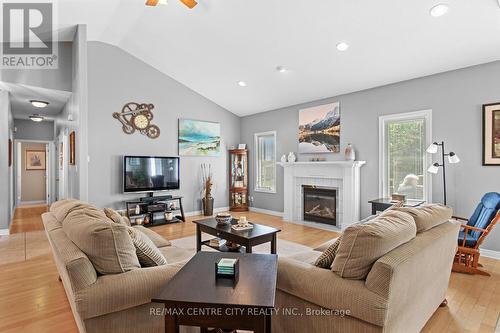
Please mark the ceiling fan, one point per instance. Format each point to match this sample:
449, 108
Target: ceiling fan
189, 3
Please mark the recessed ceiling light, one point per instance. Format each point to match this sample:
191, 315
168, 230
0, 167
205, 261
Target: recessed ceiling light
242, 83
281, 69
36, 117
342, 46
39, 104
162, 2
439, 10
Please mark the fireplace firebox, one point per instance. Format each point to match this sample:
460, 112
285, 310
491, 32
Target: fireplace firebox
320, 204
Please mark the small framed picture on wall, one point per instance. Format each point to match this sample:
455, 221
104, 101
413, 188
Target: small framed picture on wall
35, 160
491, 134
72, 153
10, 153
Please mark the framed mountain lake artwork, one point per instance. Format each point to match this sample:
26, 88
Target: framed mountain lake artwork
319, 129
199, 138
35, 160
491, 134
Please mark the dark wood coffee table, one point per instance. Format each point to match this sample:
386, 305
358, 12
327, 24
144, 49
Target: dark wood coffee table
258, 235
194, 297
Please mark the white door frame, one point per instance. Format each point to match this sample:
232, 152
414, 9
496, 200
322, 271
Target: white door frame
49, 170
62, 174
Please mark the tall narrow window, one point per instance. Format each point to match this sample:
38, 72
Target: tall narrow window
265, 150
403, 139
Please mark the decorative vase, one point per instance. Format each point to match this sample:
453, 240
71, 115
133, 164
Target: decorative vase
291, 157
350, 154
283, 159
169, 216
208, 206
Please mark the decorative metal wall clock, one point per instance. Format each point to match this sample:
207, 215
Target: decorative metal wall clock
135, 116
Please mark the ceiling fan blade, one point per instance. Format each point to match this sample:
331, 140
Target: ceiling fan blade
151, 2
189, 3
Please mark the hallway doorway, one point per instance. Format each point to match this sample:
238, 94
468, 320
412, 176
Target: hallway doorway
34, 167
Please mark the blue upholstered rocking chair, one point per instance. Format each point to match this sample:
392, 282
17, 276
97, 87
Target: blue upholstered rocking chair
473, 233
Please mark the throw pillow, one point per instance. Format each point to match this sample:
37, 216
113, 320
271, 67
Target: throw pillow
428, 216
325, 260
364, 243
62, 208
116, 217
146, 251
107, 244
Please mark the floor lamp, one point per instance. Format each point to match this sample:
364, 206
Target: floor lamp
434, 168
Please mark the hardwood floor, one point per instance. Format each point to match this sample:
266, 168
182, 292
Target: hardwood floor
27, 218
33, 300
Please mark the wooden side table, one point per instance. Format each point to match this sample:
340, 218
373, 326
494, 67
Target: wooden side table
381, 204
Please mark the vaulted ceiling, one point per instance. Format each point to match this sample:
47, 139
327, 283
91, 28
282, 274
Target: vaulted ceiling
221, 42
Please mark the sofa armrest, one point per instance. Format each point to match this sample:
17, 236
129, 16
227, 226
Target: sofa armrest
326, 289
116, 292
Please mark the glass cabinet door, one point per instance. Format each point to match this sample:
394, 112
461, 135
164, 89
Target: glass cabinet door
239, 199
239, 177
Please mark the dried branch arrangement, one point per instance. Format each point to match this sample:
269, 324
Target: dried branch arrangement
206, 172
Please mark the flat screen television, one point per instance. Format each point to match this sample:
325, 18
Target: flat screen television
150, 173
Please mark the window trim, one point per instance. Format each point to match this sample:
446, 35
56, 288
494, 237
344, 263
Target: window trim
257, 188
382, 139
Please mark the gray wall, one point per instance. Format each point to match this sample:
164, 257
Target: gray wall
5, 171
59, 78
116, 78
76, 175
456, 99
30, 130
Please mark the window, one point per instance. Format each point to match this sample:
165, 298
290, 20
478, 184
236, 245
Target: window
403, 139
265, 150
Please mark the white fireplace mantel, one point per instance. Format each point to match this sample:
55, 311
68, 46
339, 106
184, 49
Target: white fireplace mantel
344, 175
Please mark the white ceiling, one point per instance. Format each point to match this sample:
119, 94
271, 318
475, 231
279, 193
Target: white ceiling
21, 94
221, 42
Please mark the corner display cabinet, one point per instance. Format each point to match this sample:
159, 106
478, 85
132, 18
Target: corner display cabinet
238, 180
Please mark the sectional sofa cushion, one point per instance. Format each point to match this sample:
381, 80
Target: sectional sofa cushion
329, 243
428, 216
326, 258
363, 243
62, 208
147, 253
116, 217
157, 240
107, 244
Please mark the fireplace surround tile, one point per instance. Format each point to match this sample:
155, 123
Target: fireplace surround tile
342, 175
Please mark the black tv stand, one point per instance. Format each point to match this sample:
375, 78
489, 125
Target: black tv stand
151, 198
153, 209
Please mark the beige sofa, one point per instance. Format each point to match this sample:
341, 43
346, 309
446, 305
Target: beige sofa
115, 302
401, 292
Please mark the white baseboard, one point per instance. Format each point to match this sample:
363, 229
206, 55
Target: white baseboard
199, 212
4, 232
266, 211
35, 202
490, 254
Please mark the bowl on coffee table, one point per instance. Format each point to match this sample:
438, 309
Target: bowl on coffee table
223, 218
